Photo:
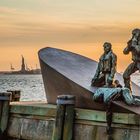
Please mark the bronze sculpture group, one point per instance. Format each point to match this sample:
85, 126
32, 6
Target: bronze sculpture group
106, 70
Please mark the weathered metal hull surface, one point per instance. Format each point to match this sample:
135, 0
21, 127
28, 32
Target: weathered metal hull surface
69, 73
35, 121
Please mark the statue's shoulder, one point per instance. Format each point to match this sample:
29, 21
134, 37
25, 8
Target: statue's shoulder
113, 55
102, 57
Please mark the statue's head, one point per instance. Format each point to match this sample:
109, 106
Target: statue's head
107, 47
136, 33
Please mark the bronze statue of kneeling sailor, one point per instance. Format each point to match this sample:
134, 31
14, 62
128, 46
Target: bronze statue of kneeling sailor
106, 68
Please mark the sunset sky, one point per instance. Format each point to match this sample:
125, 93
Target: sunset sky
81, 26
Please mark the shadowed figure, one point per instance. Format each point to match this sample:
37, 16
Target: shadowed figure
106, 68
133, 46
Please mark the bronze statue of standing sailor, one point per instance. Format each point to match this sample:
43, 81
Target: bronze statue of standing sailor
133, 46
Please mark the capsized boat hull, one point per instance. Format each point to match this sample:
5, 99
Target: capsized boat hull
69, 73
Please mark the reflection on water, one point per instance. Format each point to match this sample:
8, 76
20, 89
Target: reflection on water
31, 86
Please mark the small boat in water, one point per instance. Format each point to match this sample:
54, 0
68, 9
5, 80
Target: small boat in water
69, 73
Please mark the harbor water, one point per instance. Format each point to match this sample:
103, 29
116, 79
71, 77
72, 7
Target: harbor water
31, 86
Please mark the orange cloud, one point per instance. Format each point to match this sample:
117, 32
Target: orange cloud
82, 31
7, 10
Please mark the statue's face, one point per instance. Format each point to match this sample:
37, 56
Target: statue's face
107, 48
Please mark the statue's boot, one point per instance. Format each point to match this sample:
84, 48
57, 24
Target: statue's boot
128, 72
100, 81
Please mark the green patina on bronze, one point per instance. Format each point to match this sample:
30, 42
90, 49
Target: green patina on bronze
107, 95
